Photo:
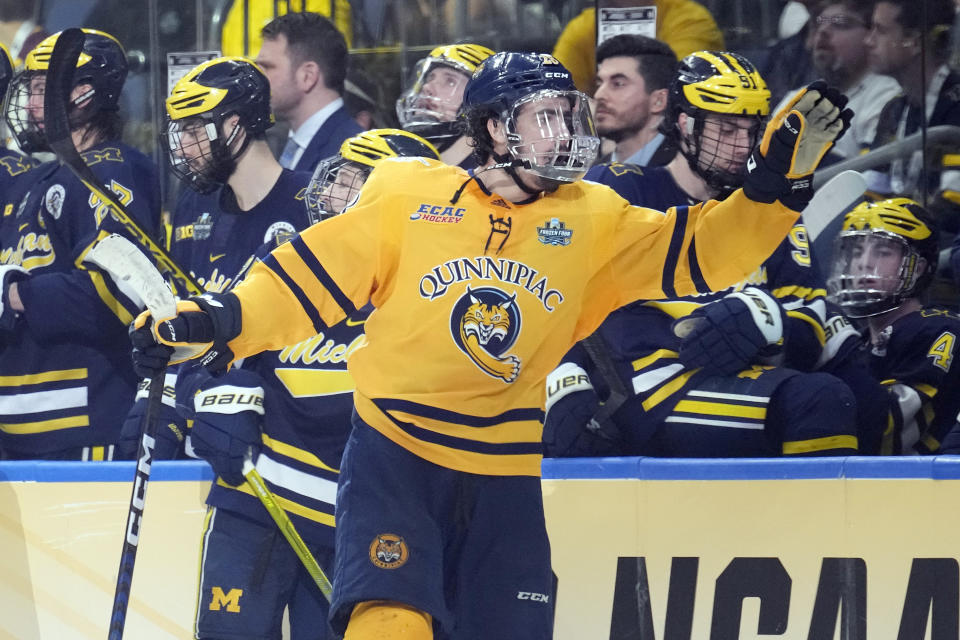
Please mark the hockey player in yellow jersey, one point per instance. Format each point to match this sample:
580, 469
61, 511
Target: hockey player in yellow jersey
480, 283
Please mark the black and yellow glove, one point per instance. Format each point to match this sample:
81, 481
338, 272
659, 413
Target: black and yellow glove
201, 329
796, 139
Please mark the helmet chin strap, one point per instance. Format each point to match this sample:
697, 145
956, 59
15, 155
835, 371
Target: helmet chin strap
509, 164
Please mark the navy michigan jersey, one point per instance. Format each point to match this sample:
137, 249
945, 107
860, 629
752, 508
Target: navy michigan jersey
916, 363
65, 374
643, 348
15, 180
652, 187
308, 400
216, 240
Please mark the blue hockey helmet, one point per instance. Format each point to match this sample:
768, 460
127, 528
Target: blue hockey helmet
102, 64
505, 84
201, 153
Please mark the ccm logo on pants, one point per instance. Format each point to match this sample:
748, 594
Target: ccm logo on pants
536, 597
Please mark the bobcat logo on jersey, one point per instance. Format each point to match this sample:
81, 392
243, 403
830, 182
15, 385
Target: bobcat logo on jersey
485, 323
280, 232
53, 200
389, 551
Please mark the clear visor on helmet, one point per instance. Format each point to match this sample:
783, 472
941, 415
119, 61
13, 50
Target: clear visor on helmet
870, 272
197, 156
335, 185
24, 110
553, 133
434, 97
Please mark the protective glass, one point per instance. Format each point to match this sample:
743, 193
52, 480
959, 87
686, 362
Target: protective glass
553, 133
335, 185
434, 97
24, 110
871, 271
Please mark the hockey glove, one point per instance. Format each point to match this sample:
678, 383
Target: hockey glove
795, 140
171, 429
201, 329
8, 275
730, 334
228, 411
569, 429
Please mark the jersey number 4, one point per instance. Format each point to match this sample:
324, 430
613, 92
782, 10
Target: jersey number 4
942, 351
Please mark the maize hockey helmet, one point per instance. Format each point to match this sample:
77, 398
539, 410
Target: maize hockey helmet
560, 140
885, 253
202, 153
717, 90
429, 108
337, 180
102, 65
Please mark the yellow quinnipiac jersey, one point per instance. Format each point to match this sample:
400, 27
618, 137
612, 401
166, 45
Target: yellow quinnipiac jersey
476, 301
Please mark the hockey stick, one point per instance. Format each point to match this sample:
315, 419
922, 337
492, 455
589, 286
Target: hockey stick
56, 125
259, 488
125, 262
822, 218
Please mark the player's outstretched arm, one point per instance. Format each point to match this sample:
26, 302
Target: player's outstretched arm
796, 139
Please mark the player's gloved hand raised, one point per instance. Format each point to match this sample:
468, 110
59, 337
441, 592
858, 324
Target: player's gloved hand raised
728, 335
796, 139
201, 329
569, 429
228, 411
9, 274
171, 429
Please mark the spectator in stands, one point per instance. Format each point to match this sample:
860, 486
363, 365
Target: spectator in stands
788, 64
633, 77
683, 24
305, 58
915, 56
840, 58
19, 31
361, 96
429, 106
242, 35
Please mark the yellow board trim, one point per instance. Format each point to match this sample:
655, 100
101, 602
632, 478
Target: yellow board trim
820, 444
288, 505
43, 426
721, 409
46, 376
296, 453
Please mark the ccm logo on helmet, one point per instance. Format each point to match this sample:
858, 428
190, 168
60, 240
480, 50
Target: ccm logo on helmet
536, 597
556, 74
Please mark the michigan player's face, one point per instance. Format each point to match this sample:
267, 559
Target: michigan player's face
441, 93
726, 142
622, 100
35, 96
876, 263
190, 143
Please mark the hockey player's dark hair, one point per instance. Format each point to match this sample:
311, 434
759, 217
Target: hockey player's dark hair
940, 15
103, 125
656, 61
311, 36
473, 124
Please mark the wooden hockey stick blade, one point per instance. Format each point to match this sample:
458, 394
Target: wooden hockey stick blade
832, 200
289, 531
56, 125
125, 262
